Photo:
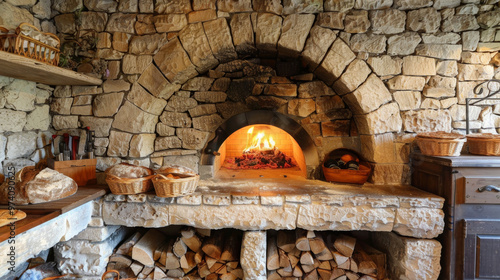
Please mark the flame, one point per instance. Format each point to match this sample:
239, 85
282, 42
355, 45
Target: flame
259, 142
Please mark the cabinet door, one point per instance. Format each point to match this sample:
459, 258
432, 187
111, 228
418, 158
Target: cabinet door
482, 249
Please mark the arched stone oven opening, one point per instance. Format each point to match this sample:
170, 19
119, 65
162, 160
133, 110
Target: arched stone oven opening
260, 144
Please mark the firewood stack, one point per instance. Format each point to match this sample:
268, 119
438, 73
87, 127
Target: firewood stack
309, 255
193, 254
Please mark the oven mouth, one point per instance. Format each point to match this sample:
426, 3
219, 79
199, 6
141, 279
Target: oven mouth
225, 150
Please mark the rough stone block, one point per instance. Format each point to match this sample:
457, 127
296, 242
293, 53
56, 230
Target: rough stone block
136, 214
244, 217
253, 254
328, 217
421, 223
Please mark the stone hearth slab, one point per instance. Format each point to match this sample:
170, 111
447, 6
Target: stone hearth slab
260, 204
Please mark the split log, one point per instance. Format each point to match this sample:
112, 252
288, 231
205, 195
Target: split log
168, 258
324, 273
158, 274
365, 264
193, 243
215, 267
199, 256
379, 258
123, 261
354, 265
317, 244
179, 248
144, 249
351, 275
345, 244
273, 257
306, 259
175, 273
212, 276
311, 234
126, 247
210, 262
284, 259
325, 265
213, 245
297, 271
232, 265
301, 241
238, 272
286, 240
284, 273
339, 258
307, 268
222, 270
187, 262
136, 267
293, 260
346, 265
313, 275
232, 248
343, 277
203, 270
228, 276
147, 270
272, 275
336, 273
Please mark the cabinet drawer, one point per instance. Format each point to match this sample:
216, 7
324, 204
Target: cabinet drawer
483, 189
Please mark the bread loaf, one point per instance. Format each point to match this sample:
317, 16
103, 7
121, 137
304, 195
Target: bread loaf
49, 185
18, 182
125, 170
175, 169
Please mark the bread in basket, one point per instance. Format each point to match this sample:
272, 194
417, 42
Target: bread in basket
172, 181
125, 178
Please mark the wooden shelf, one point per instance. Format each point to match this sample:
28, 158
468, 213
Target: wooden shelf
20, 67
40, 213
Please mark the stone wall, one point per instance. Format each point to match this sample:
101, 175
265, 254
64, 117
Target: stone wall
400, 67
25, 121
174, 73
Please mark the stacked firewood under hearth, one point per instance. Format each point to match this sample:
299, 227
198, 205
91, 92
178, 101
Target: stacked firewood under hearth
308, 255
194, 254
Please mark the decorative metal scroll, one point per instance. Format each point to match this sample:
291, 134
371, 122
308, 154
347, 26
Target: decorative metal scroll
490, 88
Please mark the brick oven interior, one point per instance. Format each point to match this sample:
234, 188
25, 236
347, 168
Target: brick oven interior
182, 82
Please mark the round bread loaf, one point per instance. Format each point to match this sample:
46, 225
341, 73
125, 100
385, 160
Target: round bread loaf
175, 169
126, 170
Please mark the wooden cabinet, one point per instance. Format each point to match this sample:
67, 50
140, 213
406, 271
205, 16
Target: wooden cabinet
471, 188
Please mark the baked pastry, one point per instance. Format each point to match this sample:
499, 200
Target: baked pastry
18, 181
126, 170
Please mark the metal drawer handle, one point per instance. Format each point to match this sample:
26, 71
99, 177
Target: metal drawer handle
489, 188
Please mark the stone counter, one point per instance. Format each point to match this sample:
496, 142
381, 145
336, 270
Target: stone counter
285, 204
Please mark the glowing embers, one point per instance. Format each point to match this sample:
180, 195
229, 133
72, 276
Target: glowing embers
260, 151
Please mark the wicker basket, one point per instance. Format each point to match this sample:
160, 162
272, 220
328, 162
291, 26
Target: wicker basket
20, 44
119, 185
169, 187
440, 147
484, 144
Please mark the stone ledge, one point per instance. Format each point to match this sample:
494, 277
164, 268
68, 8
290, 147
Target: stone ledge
61, 228
286, 204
